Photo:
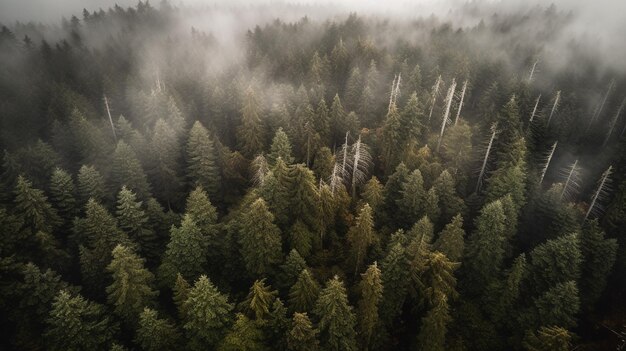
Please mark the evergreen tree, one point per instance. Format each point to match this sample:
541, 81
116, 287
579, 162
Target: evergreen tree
395, 277
133, 220
126, 170
413, 197
185, 253
281, 147
294, 264
78, 324
555, 261
450, 204
391, 137
393, 191
276, 191
372, 194
155, 334
181, 293
250, 134
548, 339
412, 120
63, 194
323, 163
304, 292
260, 299
371, 294
503, 300
208, 314
451, 240
353, 89
164, 166
202, 167
301, 238
33, 209
245, 335
484, 254
557, 306
337, 117
131, 290
322, 122
432, 335
438, 278
90, 184
336, 319
303, 195
259, 238
361, 236
302, 336
598, 256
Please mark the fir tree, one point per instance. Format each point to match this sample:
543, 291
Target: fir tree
164, 166
260, 299
557, 306
33, 209
78, 324
371, 289
432, 335
155, 334
361, 236
202, 168
395, 277
555, 261
336, 319
250, 133
372, 194
90, 184
294, 264
126, 170
304, 292
180, 294
281, 147
244, 335
276, 191
131, 290
598, 256
450, 203
548, 339
259, 238
185, 253
413, 197
302, 336
301, 238
208, 314
451, 240
133, 220
63, 194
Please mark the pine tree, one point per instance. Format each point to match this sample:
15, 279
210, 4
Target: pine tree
371, 295
294, 264
598, 258
555, 261
281, 147
185, 253
164, 166
260, 299
438, 278
323, 163
245, 335
126, 170
507, 292
336, 319
303, 195
548, 339
557, 306
180, 294
393, 191
337, 117
63, 194
276, 190
484, 254
411, 204
301, 238
155, 334
78, 324
361, 236
250, 134
131, 290
277, 326
432, 335
395, 277
33, 209
451, 240
391, 136
302, 336
133, 220
411, 120
457, 147
304, 292
90, 184
208, 314
450, 203
202, 168
372, 194
322, 122
260, 239
353, 89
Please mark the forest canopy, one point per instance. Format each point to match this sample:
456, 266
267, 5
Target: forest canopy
282, 176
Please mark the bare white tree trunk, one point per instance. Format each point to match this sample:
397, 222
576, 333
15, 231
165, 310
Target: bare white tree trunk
458, 112
554, 106
613, 122
433, 97
484, 166
600, 191
599, 109
446, 113
106, 104
532, 115
571, 181
545, 167
532, 71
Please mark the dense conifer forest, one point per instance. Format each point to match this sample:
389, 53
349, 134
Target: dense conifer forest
337, 182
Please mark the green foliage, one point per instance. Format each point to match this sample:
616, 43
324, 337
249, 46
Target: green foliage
126, 170
185, 253
78, 324
598, 257
395, 277
155, 334
304, 292
90, 184
250, 134
371, 289
555, 261
280, 148
337, 322
244, 335
432, 335
208, 314
131, 290
33, 209
202, 168
63, 194
260, 239
451, 240
133, 220
557, 306
548, 339
260, 299
361, 236
302, 336
413, 197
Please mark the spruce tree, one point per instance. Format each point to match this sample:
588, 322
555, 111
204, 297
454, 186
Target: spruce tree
260, 299
555, 261
303, 195
133, 220
451, 240
276, 190
304, 292
372, 194
126, 170
557, 306
396, 272
371, 289
33, 209
336, 319
180, 294
337, 116
302, 336
244, 335
202, 167
598, 255
156, 334
90, 184
208, 315
281, 147
164, 167
361, 236
548, 339
185, 253
432, 335
392, 192
301, 238
78, 324
131, 289
250, 134
294, 264
260, 239
63, 194
413, 197
450, 203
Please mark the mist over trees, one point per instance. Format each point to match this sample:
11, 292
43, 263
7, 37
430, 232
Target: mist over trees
339, 181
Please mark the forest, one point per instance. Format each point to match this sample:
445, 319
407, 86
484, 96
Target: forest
323, 181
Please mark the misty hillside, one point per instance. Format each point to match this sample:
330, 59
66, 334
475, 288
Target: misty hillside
309, 176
